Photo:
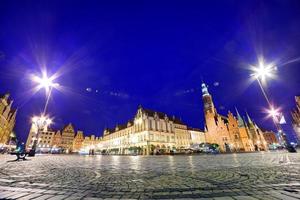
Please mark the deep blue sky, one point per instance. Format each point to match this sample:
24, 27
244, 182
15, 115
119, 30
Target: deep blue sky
153, 53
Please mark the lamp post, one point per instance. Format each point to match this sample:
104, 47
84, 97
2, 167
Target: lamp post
41, 124
46, 83
275, 114
261, 73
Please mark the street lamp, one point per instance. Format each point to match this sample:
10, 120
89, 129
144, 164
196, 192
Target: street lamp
47, 83
263, 70
260, 73
41, 123
275, 114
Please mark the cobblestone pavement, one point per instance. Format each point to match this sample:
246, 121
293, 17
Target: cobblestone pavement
246, 176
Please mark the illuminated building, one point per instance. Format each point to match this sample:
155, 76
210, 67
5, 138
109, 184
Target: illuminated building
63, 140
78, 141
45, 140
270, 138
197, 136
149, 132
7, 118
90, 144
230, 133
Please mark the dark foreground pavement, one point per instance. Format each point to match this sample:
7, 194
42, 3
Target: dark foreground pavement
231, 176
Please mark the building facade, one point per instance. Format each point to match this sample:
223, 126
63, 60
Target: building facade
67, 138
78, 141
296, 118
149, 132
90, 144
197, 136
7, 118
271, 138
45, 139
232, 134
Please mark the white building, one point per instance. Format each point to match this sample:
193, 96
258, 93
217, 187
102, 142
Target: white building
149, 132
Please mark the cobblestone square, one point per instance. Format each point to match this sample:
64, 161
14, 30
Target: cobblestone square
265, 175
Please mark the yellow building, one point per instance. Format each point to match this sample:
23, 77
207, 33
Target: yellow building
56, 142
67, 137
90, 144
197, 136
230, 133
45, 140
149, 132
78, 141
63, 140
7, 119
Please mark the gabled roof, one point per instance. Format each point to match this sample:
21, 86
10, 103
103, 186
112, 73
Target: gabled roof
68, 126
162, 115
148, 112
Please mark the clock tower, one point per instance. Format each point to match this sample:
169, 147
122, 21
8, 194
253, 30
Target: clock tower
207, 100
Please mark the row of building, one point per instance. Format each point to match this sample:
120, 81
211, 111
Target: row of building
66, 140
150, 132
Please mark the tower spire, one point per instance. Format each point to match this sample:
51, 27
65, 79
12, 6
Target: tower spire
204, 89
250, 122
239, 118
207, 100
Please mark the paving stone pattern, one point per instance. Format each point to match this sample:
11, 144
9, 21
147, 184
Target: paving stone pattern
248, 176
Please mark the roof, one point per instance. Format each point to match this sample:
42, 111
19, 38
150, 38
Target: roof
66, 126
150, 113
195, 129
162, 115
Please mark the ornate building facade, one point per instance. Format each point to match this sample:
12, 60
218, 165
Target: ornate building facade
7, 118
78, 141
67, 137
232, 134
149, 132
296, 118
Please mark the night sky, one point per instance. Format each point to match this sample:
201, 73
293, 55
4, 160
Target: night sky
114, 55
